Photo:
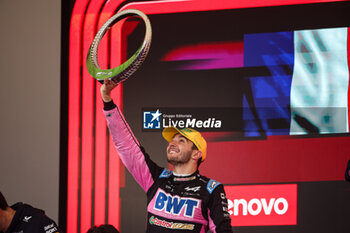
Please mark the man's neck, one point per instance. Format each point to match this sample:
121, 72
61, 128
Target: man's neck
184, 169
6, 217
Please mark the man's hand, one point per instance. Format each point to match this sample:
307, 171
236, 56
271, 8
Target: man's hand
106, 89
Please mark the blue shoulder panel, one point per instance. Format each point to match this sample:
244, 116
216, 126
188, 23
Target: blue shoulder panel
212, 184
165, 173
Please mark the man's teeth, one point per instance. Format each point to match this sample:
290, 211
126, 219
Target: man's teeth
172, 151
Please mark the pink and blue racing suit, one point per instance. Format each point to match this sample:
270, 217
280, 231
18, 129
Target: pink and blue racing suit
175, 203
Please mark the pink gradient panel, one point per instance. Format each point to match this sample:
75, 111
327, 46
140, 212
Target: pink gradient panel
74, 114
100, 131
80, 220
208, 55
114, 185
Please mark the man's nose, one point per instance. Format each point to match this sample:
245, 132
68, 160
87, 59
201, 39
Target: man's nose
172, 143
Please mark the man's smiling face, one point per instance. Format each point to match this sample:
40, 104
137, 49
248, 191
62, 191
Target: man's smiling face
179, 150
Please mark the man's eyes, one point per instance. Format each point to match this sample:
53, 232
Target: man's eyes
182, 140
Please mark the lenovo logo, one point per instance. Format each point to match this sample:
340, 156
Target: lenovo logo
257, 205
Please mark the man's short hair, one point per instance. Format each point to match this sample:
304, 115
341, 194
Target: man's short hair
105, 228
3, 202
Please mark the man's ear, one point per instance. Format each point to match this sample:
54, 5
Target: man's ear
197, 154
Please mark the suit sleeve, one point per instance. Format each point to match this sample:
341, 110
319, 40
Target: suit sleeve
219, 218
138, 163
47, 225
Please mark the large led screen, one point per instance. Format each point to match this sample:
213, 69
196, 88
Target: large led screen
267, 84
268, 87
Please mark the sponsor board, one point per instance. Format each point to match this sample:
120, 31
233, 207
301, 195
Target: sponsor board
259, 205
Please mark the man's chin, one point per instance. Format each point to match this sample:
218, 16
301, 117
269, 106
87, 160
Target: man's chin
173, 160
176, 160
170, 160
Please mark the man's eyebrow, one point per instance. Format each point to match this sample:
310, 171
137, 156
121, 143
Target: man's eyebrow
180, 135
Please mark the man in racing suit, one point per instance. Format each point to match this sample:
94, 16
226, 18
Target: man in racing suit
23, 218
181, 200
